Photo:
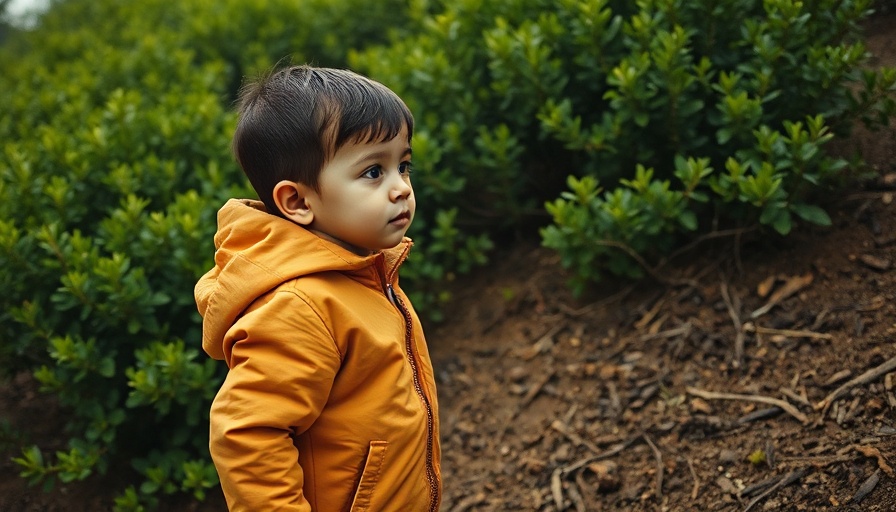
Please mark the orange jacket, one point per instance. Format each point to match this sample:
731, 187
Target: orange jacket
330, 401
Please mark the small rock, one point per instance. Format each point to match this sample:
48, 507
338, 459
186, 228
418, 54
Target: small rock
727, 457
726, 485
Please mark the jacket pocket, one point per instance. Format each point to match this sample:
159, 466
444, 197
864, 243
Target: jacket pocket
376, 454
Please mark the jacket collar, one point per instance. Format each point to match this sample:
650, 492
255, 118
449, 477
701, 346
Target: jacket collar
256, 251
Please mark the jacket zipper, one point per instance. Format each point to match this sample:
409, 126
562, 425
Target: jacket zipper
415, 370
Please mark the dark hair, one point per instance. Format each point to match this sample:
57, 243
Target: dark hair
293, 120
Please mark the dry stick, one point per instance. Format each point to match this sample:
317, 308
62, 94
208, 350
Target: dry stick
864, 378
588, 309
788, 479
682, 330
652, 271
789, 409
870, 451
793, 395
736, 233
557, 475
564, 429
659, 467
695, 491
532, 393
576, 497
738, 325
557, 488
788, 333
606, 454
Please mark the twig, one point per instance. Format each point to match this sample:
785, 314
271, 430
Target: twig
864, 378
736, 233
469, 502
659, 467
788, 479
557, 488
652, 271
695, 490
589, 308
561, 427
576, 497
870, 451
733, 312
818, 461
759, 414
651, 313
789, 333
758, 487
682, 330
786, 406
606, 454
792, 286
793, 395
533, 392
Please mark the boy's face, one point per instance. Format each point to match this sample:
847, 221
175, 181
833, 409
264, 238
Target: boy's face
366, 202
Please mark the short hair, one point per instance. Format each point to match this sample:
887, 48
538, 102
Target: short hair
292, 121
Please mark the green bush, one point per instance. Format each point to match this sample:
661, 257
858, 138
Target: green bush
115, 158
684, 110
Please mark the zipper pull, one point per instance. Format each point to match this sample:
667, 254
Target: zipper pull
391, 294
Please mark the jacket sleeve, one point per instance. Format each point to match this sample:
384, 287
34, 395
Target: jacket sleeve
282, 362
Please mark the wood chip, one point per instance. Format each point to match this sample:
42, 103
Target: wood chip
875, 262
765, 287
866, 487
793, 285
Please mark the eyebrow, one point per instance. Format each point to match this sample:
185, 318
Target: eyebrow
381, 154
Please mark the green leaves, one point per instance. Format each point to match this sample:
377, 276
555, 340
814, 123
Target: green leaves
733, 103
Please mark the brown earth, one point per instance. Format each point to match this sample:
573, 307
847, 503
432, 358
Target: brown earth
751, 374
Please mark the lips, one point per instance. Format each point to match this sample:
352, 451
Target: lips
401, 217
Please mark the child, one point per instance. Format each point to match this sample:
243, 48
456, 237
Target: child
330, 401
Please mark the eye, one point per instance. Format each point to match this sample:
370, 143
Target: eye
405, 168
373, 173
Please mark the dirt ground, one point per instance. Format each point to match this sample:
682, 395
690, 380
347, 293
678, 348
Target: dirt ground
757, 374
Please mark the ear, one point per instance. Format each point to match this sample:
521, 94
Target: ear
291, 199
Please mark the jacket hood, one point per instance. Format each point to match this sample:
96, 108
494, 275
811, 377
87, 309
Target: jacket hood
255, 252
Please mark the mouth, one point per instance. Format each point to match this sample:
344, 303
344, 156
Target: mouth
401, 218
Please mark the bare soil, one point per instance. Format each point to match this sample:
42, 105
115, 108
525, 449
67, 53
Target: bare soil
753, 373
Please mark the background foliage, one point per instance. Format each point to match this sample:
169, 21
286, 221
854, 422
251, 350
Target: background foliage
665, 118
653, 121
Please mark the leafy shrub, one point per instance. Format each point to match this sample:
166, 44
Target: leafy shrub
724, 118
115, 158
683, 110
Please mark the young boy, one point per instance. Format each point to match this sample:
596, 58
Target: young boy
330, 401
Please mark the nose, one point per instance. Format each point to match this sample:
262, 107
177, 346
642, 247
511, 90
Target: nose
400, 187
